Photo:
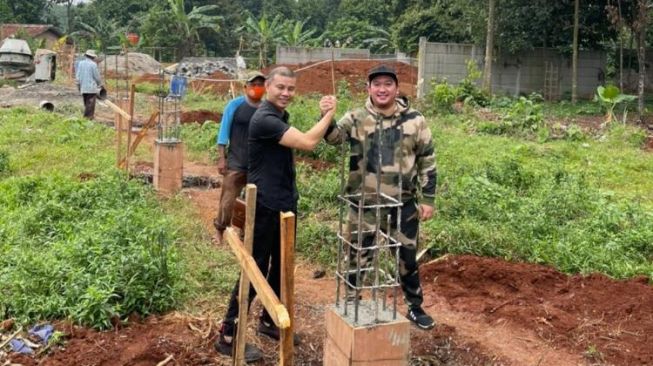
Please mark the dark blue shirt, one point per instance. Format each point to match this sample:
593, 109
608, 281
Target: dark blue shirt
237, 156
271, 165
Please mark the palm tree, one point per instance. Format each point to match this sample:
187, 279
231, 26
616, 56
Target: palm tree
190, 23
263, 34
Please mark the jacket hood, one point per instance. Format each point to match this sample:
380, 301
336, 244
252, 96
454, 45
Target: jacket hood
402, 106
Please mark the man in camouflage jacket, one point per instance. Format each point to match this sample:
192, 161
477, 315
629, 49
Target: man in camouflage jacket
391, 141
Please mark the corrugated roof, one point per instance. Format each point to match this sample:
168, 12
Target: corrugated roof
33, 30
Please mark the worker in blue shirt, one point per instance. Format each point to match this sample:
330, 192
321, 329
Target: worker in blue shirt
232, 147
88, 81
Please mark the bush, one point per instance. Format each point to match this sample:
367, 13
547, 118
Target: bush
523, 118
468, 91
443, 95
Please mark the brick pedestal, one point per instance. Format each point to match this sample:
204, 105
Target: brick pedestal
366, 343
168, 167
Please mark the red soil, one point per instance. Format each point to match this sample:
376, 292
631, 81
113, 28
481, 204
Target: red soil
200, 116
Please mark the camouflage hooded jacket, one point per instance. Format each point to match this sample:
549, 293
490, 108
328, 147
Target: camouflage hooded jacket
402, 142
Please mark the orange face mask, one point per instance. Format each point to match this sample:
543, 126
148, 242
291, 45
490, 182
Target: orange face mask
255, 92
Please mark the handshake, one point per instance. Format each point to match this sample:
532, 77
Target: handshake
328, 105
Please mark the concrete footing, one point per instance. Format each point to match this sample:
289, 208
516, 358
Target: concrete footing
366, 342
168, 167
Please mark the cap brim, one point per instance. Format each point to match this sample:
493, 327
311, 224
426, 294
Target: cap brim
371, 77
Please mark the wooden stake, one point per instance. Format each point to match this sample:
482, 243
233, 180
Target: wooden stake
243, 290
130, 123
141, 134
118, 125
333, 73
287, 284
264, 292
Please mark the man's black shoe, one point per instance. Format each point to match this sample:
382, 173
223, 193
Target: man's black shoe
252, 353
272, 331
417, 315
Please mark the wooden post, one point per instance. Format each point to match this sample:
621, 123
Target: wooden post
130, 123
287, 284
118, 125
243, 290
333, 74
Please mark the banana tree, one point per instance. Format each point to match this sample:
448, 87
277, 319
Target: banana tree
610, 96
263, 33
189, 23
294, 34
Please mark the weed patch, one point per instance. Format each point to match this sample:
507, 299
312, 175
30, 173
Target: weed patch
88, 251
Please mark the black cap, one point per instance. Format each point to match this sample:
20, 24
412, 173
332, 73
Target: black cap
382, 70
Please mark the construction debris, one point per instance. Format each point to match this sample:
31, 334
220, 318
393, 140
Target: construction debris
198, 67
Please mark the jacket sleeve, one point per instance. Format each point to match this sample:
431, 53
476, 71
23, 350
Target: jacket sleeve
227, 118
339, 132
425, 160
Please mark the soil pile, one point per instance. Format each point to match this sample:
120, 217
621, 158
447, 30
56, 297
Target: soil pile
139, 64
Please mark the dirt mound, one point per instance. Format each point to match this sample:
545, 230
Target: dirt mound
215, 87
200, 116
602, 319
142, 343
316, 77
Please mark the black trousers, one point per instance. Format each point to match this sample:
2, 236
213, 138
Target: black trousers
266, 251
89, 105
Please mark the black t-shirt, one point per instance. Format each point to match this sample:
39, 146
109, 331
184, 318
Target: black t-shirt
271, 165
237, 153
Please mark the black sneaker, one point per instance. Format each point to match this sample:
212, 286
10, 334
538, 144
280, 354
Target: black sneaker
417, 315
272, 331
252, 353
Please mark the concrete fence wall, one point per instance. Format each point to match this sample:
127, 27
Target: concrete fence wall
522, 73
302, 55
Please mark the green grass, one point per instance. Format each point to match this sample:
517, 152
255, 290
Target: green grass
43, 143
578, 206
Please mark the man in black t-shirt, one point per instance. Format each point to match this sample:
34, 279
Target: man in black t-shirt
234, 131
272, 170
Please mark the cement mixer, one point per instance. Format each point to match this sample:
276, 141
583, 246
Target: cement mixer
16, 60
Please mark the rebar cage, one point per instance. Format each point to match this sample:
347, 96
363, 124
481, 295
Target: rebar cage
368, 283
169, 121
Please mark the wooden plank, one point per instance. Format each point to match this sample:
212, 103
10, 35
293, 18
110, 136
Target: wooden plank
115, 108
287, 231
264, 292
243, 291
